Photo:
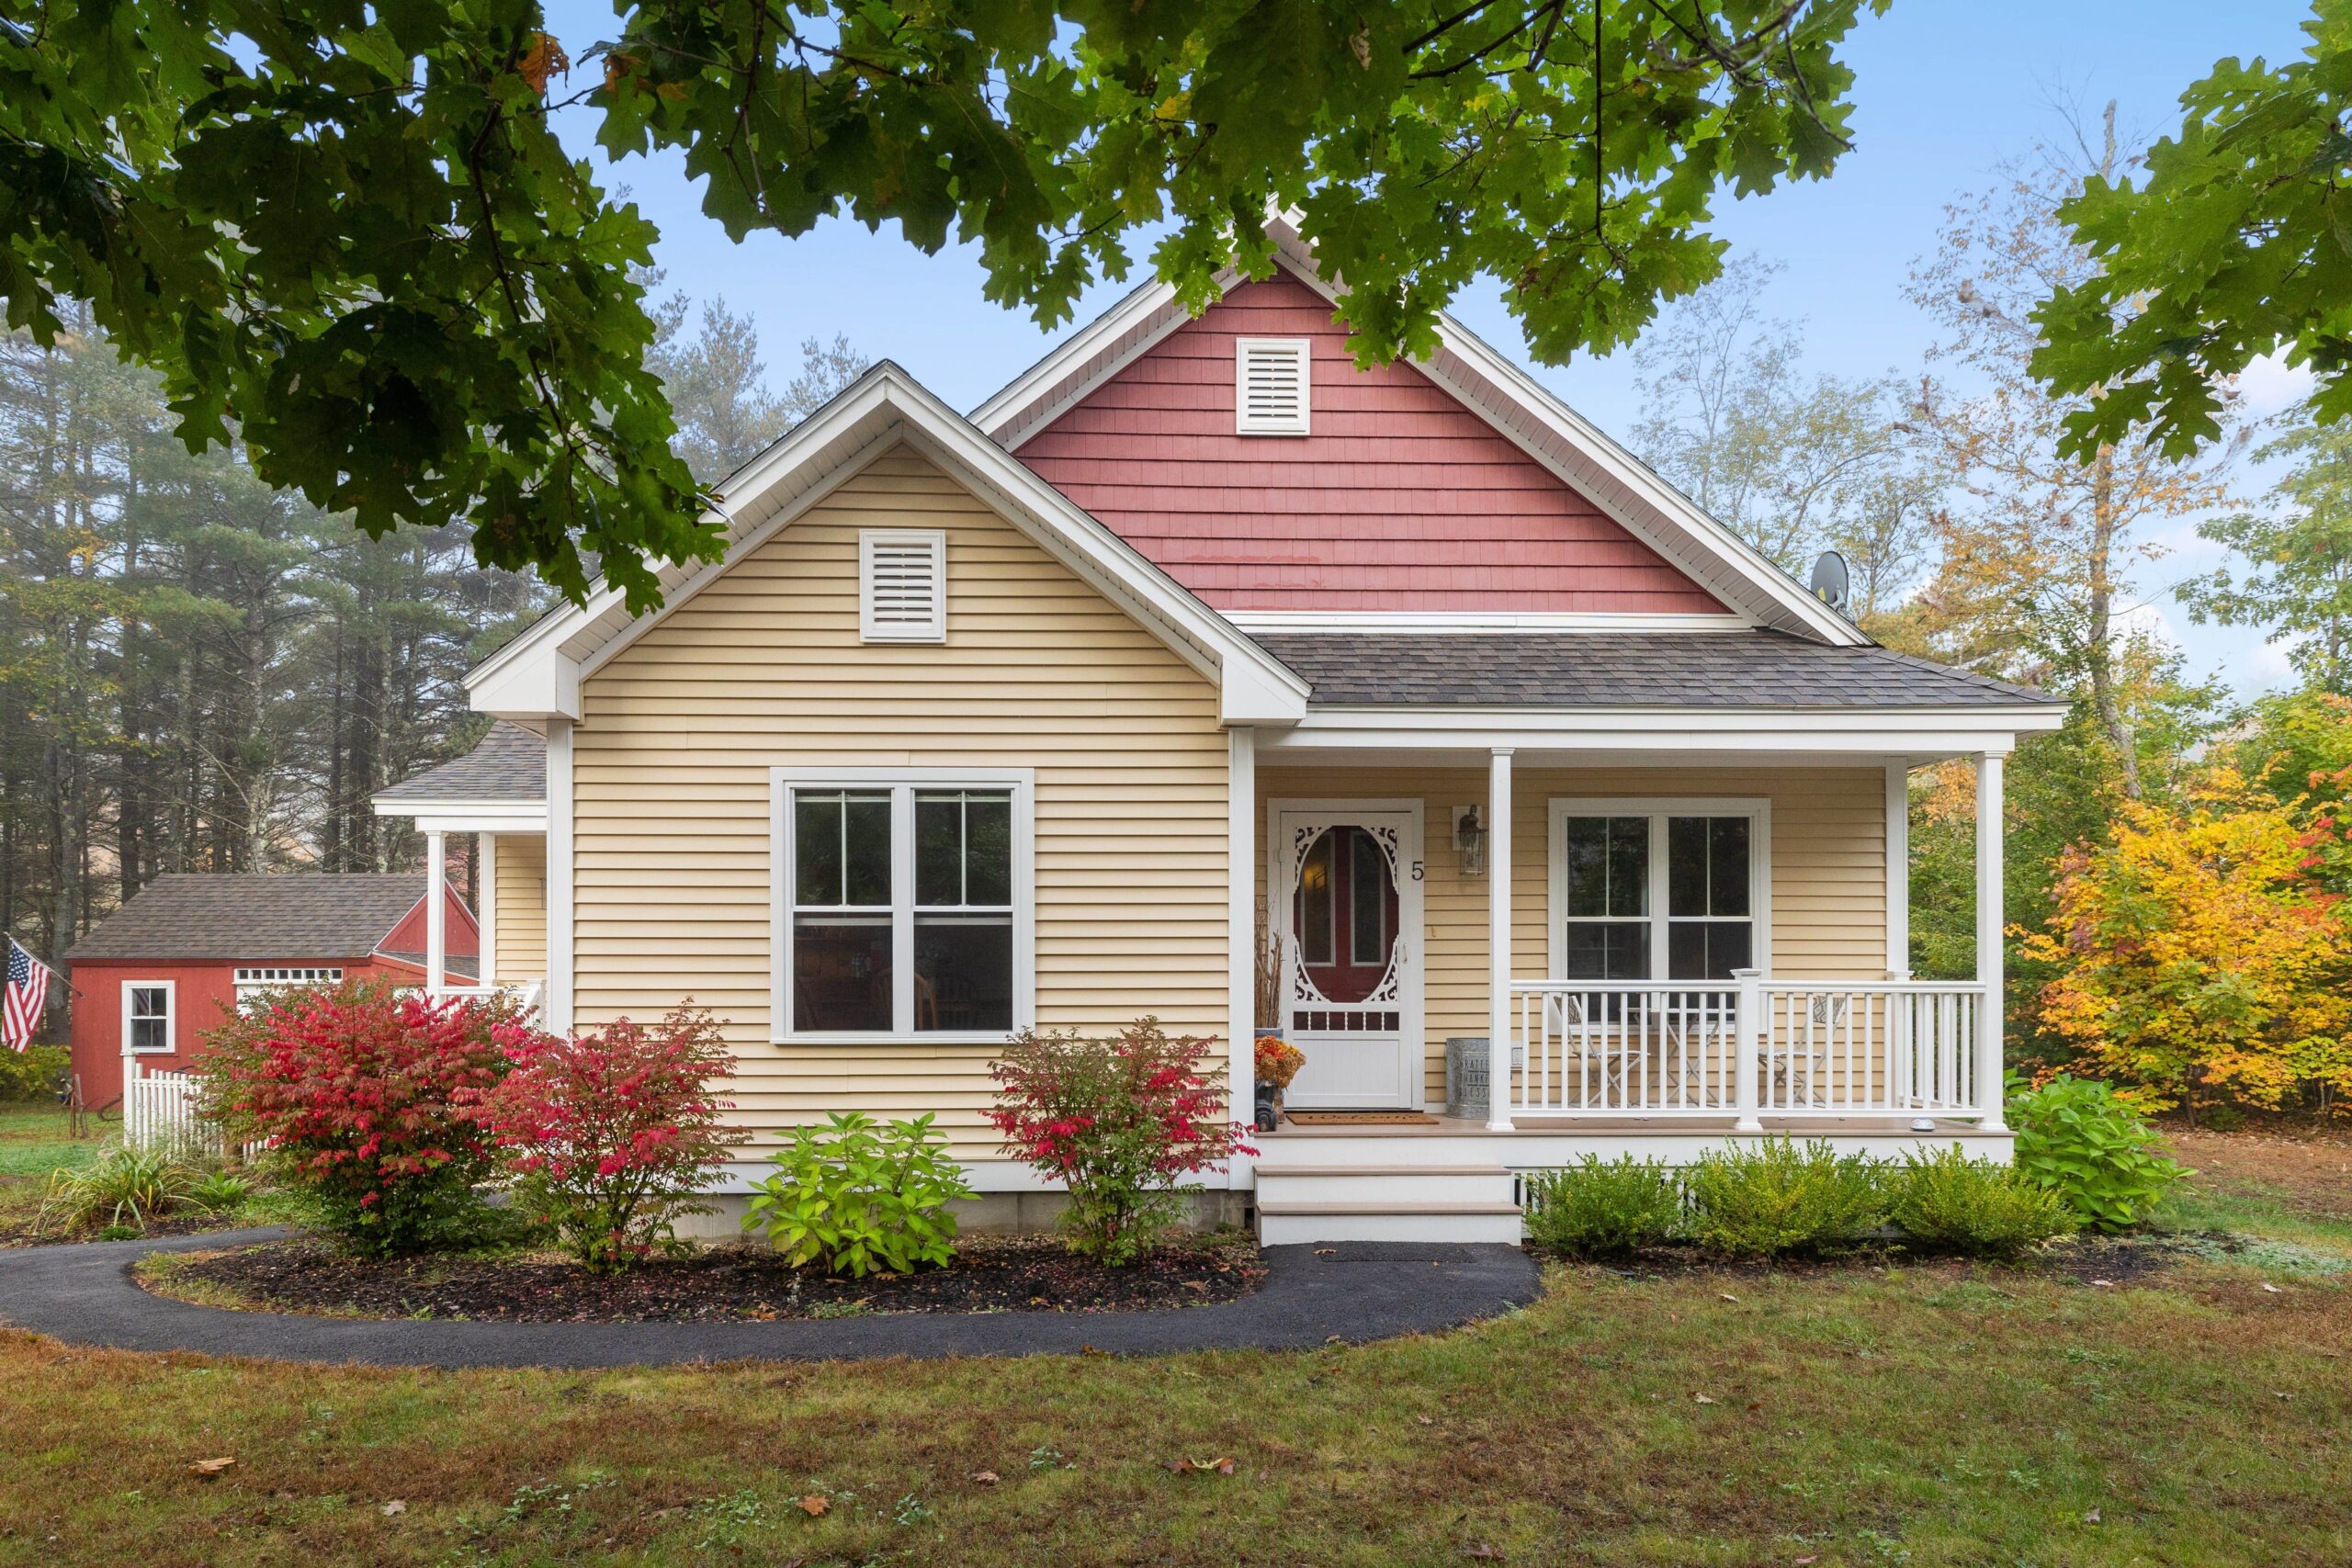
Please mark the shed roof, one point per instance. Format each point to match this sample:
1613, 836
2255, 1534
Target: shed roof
511, 763
1754, 669
255, 917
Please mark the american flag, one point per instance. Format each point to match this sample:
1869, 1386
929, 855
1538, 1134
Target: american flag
27, 993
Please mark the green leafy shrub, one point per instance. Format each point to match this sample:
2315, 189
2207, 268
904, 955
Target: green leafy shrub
862, 1196
1947, 1201
123, 1187
1604, 1209
36, 1072
2078, 1138
1769, 1197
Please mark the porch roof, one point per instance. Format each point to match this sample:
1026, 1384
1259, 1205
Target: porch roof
510, 764
1754, 669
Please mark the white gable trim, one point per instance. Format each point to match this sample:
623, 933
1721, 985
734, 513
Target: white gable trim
538, 675
1491, 385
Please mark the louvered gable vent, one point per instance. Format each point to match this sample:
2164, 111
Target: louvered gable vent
1270, 394
902, 585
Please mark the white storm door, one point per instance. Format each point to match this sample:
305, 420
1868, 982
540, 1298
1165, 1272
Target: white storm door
1346, 883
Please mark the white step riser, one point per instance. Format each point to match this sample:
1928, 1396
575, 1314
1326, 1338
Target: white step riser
1401, 1187
1280, 1230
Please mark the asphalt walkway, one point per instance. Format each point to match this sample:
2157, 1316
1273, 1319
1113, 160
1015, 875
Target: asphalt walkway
83, 1293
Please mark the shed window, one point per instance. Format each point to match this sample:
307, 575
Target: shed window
1271, 382
147, 1016
902, 584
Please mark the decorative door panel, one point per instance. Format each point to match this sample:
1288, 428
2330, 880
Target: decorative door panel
1346, 879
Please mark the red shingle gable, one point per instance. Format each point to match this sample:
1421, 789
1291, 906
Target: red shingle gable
1401, 499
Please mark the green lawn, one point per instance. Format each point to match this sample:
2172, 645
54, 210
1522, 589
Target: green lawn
1930, 1414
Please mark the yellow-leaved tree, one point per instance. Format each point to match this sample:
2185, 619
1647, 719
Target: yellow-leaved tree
2199, 956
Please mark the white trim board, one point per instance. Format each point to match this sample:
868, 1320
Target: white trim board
1442, 622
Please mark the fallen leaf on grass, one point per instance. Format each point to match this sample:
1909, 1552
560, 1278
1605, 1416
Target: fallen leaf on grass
1426, 1420
2271, 1288
1333, 1339
1808, 1557
816, 1505
205, 1468
1729, 1297
1481, 1550
2102, 1284
985, 1477
1091, 1350
1704, 1398
2091, 1517
1218, 1466
397, 1506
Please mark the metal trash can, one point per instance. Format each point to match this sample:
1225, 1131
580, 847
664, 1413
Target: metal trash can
1466, 1076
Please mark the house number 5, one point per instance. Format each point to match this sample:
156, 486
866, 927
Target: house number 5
1417, 871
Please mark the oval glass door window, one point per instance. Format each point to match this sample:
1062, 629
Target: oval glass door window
1344, 913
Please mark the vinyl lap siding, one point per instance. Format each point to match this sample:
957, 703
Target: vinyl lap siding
1399, 499
764, 669
1827, 868
519, 882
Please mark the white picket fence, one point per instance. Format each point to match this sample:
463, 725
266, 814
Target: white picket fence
159, 1113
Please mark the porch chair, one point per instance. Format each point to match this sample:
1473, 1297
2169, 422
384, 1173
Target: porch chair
1783, 1059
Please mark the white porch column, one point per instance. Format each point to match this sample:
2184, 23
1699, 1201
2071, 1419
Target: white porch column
1499, 878
557, 1010
1898, 868
486, 913
436, 917
1241, 934
1988, 937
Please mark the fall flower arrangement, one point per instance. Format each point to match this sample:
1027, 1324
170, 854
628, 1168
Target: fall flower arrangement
1278, 1061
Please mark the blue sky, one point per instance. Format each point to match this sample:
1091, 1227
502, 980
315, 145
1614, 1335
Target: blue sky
1946, 92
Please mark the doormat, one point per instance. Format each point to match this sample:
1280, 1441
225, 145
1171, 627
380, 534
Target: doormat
1361, 1117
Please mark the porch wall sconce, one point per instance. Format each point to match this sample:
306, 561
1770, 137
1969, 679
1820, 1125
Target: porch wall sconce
1470, 839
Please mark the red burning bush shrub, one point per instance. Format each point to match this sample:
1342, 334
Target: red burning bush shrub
613, 1135
1120, 1121
359, 1096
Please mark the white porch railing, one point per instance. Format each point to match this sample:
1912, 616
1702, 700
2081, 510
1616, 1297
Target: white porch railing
159, 1114
1753, 1047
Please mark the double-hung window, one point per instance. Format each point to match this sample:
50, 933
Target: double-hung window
1648, 890
904, 904
147, 1007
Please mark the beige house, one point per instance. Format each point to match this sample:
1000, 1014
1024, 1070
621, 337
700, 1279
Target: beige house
1029, 718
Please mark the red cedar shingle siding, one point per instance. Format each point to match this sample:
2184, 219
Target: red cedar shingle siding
1400, 499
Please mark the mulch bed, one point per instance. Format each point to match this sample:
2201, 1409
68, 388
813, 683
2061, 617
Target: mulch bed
990, 1274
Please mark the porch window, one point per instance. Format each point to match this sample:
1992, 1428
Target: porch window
905, 907
1657, 891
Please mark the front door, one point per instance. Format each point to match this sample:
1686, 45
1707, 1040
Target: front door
1346, 879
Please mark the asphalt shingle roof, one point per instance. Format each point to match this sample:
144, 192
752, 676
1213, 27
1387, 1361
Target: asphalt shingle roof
255, 917
511, 763
1758, 669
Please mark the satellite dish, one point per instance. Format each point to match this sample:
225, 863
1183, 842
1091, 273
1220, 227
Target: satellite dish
1830, 582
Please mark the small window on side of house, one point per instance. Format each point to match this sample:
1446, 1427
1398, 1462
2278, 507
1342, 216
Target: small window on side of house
902, 585
1271, 385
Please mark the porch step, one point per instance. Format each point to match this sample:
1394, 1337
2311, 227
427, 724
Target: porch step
1283, 1223
1394, 1202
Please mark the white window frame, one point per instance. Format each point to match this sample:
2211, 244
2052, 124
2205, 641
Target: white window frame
259, 979
870, 629
170, 989
1302, 351
903, 784
1756, 808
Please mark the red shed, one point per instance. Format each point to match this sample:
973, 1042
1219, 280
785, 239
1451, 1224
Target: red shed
164, 968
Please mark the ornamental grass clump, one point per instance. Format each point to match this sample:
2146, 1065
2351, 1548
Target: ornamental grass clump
1604, 1209
1946, 1201
1773, 1196
361, 1097
123, 1189
612, 1135
1120, 1122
